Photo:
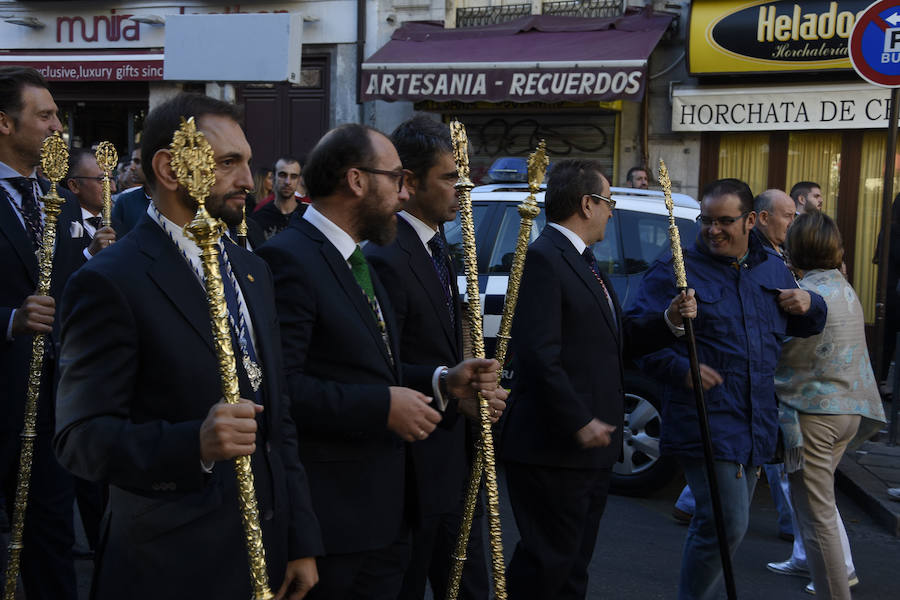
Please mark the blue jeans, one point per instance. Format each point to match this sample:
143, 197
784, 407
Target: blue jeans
776, 477
701, 565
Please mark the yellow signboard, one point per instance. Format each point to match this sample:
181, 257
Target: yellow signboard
765, 36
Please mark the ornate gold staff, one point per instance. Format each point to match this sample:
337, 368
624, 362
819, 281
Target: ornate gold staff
194, 166
107, 158
464, 186
528, 211
703, 417
54, 159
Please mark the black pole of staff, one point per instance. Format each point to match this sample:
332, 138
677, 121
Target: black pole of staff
709, 457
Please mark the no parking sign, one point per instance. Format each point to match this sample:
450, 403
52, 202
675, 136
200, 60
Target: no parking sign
875, 44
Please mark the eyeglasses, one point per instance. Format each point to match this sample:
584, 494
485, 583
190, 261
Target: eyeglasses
607, 199
97, 178
400, 175
721, 221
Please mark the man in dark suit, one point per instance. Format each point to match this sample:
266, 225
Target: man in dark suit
84, 180
563, 429
137, 326
343, 365
417, 273
28, 115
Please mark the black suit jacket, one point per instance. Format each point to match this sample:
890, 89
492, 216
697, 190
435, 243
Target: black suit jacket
138, 376
19, 274
129, 209
338, 373
569, 354
428, 339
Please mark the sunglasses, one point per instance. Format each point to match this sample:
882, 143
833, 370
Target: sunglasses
97, 178
399, 175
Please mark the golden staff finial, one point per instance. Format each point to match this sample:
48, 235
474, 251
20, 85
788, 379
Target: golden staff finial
54, 162
107, 158
674, 234
194, 164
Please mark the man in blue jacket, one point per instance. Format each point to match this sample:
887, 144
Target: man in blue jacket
748, 304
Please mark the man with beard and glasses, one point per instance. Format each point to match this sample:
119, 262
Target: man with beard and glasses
343, 365
748, 303
140, 397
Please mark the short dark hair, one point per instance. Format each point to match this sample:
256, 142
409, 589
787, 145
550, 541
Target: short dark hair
814, 242
722, 187
567, 182
343, 147
164, 120
286, 159
13, 80
802, 188
76, 156
419, 141
633, 170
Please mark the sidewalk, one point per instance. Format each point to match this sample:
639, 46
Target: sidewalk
865, 476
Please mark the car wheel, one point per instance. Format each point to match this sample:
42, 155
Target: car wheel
640, 468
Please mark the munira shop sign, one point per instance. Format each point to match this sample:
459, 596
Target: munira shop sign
734, 37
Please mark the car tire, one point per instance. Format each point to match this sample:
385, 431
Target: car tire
641, 469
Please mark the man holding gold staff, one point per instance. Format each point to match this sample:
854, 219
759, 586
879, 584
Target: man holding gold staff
85, 180
750, 303
139, 397
28, 115
419, 277
563, 429
343, 365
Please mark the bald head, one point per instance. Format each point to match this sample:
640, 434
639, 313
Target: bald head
775, 210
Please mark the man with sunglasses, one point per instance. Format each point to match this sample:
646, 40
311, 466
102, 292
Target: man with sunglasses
85, 180
749, 302
563, 429
342, 354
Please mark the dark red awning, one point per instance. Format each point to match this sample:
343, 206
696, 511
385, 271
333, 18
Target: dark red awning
536, 58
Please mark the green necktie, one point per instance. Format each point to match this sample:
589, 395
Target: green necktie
360, 269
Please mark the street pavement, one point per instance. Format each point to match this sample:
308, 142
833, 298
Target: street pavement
638, 551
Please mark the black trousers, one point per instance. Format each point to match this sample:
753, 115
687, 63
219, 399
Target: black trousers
47, 568
558, 514
433, 544
370, 575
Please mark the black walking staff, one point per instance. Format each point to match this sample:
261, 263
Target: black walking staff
703, 418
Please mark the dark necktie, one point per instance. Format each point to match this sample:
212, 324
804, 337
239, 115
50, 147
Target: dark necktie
591, 260
234, 311
439, 258
94, 222
31, 212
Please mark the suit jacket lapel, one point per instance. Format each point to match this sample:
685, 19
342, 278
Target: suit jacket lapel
583, 271
344, 277
175, 278
13, 229
422, 266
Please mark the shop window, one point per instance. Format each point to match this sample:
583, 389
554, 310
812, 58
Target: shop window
868, 223
568, 135
745, 156
816, 157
